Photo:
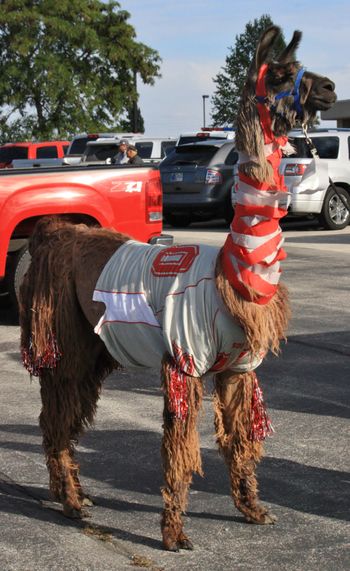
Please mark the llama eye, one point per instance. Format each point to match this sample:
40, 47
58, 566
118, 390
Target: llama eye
279, 80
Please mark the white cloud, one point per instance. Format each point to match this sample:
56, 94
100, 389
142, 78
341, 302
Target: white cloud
193, 38
174, 104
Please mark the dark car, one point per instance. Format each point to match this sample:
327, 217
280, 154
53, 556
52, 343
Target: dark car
197, 180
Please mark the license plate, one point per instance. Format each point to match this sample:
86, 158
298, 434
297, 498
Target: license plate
176, 177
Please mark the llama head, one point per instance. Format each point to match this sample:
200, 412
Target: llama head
288, 92
315, 92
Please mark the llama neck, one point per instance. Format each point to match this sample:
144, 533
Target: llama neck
253, 249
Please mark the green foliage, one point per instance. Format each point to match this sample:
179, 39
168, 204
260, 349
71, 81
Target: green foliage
230, 81
68, 66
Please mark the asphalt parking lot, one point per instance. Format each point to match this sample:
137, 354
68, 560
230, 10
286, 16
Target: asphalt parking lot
304, 477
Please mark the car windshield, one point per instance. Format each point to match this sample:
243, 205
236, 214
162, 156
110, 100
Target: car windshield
8, 154
190, 155
78, 146
100, 152
327, 147
185, 139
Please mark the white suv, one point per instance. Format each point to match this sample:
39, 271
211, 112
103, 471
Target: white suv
333, 146
151, 149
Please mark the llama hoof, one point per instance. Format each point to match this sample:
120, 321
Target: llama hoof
74, 513
270, 519
87, 502
263, 519
185, 543
173, 547
182, 542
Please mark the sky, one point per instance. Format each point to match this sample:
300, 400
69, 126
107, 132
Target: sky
194, 37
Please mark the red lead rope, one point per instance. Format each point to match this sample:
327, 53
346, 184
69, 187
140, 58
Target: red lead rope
264, 111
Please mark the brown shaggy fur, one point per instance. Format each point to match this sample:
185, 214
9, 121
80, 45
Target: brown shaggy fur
264, 325
56, 304
232, 398
181, 457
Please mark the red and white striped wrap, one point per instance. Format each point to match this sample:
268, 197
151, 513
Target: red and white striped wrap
253, 249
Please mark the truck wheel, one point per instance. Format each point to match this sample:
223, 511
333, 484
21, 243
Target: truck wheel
334, 215
18, 272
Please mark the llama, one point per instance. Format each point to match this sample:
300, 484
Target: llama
113, 302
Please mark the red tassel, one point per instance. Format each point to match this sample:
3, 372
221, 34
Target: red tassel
48, 360
260, 422
178, 404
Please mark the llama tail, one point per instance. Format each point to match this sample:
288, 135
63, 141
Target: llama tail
46, 292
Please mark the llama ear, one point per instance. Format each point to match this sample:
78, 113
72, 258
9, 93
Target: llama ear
266, 42
288, 53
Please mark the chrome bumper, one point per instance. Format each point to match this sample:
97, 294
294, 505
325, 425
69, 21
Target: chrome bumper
163, 239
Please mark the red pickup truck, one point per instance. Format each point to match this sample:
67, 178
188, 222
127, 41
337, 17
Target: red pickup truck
29, 150
128, 199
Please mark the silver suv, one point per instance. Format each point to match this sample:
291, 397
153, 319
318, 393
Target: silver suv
333, 146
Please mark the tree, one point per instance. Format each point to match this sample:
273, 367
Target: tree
134, 120
231, 80
68, 66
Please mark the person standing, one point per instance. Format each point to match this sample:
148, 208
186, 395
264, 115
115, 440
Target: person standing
121, 158
134, 158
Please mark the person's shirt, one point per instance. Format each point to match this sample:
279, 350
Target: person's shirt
121, 158
136, 161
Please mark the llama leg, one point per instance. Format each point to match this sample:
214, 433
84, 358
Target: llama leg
181, 457
232, 404
68, 406
60, 345
58, 423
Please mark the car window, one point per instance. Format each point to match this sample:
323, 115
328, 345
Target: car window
186, 139
166, 147
46, 152
78, 145
327, 147
232, 157
8, 154
192, 139
190, 155
65, 149
100, 152
144, 149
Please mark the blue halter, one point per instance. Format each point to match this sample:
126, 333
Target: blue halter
294, 91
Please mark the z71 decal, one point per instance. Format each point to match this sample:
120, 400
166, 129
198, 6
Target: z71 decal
127, 186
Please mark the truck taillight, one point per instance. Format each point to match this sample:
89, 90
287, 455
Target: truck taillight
295, 169
154, 201
213, 177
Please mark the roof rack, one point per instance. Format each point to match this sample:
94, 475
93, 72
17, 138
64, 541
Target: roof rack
217, 129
